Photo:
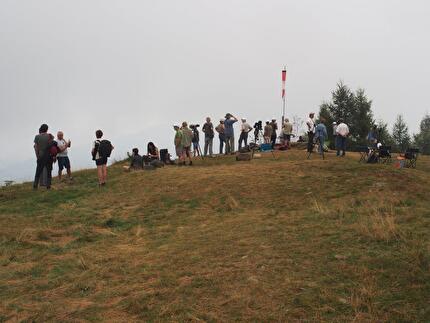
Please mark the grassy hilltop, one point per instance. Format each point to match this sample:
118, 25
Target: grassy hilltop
283, 239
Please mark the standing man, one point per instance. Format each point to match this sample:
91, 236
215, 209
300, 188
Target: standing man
229, 133
334, 126
245, 128
208, 129
195, 140
342, 132
274, 135
62, 158
267, 133
310, 123
287, 129
220, 129
321, 135
101, 152
178, 141
42, 142
187, 137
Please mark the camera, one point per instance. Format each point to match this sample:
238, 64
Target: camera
258, 126
194, 126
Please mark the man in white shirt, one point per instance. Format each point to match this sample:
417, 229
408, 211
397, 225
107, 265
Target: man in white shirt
245, 128
63, 159
310, 123
342, 132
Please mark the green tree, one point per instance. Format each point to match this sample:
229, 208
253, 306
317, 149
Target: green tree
355, 109
400, 134
342, 106
384, 136
362, 119
422, 139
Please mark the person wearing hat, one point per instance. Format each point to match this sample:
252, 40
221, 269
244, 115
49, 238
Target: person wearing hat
186, 140
208, 129
310, 123
229, 133
267, 132
274, 135
287, 130
178, 141
220, 129
245, 128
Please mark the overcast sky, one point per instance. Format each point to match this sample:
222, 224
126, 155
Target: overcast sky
134, 68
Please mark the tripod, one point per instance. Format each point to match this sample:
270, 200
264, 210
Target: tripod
199, 150
317, 143
258, 141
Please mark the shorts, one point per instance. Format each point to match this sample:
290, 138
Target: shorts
186, 151
63, 162
179, 150
101, 161
195, 145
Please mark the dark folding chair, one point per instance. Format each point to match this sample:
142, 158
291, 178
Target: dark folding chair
364, 152
411, 156
384, 154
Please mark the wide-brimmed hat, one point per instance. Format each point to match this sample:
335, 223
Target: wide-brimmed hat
228, 115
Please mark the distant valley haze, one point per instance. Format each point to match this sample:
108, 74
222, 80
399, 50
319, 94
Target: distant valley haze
135, 68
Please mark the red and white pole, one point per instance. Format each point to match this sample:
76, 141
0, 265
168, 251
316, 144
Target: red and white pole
284, 79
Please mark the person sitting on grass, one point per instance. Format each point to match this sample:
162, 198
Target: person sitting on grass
153, 152
136, 162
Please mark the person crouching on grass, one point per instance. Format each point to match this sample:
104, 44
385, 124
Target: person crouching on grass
62, 158
101, 152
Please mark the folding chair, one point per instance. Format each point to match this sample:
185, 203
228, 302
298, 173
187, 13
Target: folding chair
411, 156
364, 153
384, 154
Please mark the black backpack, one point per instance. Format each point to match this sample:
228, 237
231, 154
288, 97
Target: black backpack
105, 149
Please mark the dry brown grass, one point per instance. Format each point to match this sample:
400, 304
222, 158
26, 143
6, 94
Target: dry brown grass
270, 240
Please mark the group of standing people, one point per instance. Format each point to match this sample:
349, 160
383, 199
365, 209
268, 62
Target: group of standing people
49, 150
317, 134
187, 137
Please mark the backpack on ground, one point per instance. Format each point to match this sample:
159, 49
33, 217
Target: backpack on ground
243, 157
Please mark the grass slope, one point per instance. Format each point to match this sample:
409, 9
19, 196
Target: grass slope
283, 239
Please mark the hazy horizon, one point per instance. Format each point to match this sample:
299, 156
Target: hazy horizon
134, 68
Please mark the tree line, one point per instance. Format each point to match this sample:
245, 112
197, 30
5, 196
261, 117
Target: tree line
355, 109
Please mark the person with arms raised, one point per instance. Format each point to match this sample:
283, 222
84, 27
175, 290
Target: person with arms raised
62, 157
229, 133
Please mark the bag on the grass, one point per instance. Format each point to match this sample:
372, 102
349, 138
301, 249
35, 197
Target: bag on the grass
243, 157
